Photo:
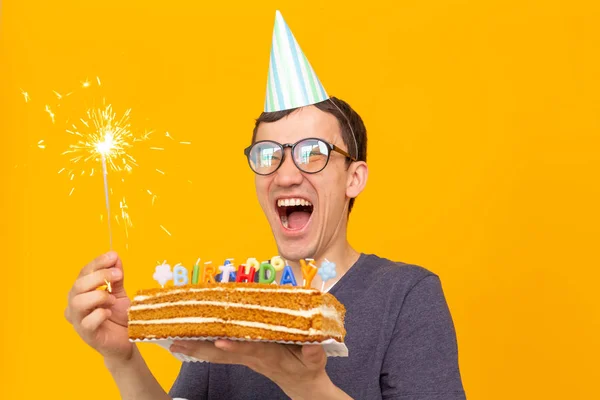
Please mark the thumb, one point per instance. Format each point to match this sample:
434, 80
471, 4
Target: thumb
118, 288
314, 355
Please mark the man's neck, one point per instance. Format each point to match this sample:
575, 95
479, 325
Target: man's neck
344, 258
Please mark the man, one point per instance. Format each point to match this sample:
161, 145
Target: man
309, 148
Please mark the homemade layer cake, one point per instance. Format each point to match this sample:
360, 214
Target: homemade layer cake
251, 311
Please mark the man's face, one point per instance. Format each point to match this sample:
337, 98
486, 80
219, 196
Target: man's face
304, 231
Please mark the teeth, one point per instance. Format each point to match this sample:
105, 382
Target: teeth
284, 221
293, 202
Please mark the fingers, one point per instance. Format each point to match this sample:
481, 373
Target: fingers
94, 279
83, 304
103, 261
313, 355
205, 350
245, 348
92, 321
90, 278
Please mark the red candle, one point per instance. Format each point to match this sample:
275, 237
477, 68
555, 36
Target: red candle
242, 276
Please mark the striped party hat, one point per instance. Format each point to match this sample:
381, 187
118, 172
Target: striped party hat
292, 82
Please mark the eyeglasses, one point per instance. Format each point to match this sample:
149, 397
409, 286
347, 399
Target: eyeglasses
310, 155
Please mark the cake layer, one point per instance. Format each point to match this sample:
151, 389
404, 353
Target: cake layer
302, 299
220, 328
301, 319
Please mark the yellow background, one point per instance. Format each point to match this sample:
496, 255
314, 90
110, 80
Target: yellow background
483, 120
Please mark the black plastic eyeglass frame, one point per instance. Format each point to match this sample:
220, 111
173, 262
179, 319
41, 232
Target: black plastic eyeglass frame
292, 146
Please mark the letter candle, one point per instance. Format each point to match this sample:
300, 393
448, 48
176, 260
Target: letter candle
226, 270
278, 263
288, 277
262, 273
308, 272
180, 275
243, 276
195, 273
208, 273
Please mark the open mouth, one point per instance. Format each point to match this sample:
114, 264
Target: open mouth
294, 212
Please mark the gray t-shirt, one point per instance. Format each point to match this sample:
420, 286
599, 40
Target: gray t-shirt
400, 338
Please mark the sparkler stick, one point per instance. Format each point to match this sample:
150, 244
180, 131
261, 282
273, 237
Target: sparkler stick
105, 175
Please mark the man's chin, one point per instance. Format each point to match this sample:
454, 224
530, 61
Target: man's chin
294, 250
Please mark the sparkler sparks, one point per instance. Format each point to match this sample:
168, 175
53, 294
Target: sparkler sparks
104, 134
125, 218
100, 135
153, 195
25, 96
50, 113
165, 229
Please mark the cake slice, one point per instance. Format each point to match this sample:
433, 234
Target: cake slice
250, 311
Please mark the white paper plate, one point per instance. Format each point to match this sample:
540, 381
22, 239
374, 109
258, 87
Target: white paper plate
332, 347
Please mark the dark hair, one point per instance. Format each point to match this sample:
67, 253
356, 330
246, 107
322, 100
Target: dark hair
349, 122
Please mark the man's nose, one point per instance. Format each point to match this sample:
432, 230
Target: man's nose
288, 174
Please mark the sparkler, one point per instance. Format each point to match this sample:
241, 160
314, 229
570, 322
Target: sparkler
101, 136
106, 138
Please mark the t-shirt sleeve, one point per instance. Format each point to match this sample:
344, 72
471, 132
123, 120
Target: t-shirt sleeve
192, 382
421, 362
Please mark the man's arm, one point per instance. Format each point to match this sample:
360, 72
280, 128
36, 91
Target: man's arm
421, 362
100, 319
134, 379
298, 370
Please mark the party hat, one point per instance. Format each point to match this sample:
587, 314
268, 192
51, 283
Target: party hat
292, 82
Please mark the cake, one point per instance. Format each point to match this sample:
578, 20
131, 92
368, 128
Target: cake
251, 311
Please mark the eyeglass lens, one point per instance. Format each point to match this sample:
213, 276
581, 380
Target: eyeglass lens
310, 155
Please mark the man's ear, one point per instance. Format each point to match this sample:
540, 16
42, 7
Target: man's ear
358, 172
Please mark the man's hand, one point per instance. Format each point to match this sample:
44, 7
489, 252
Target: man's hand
298, 370
100, 317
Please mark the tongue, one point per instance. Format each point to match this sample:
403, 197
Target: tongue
298, 219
